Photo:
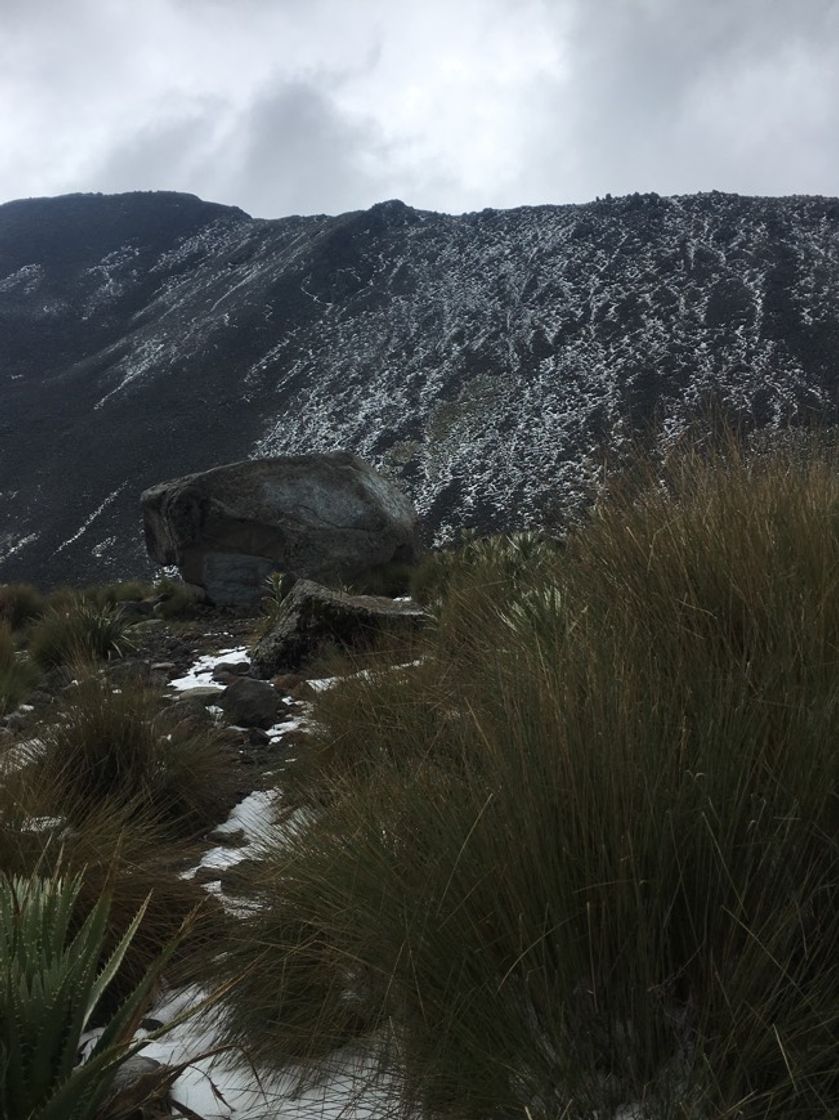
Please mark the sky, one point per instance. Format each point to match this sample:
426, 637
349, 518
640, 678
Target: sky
322, 106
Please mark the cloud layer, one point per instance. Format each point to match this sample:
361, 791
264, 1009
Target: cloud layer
306, 106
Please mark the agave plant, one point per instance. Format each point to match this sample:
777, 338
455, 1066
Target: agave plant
52, 979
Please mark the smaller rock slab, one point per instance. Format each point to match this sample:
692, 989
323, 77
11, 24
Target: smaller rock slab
312, 616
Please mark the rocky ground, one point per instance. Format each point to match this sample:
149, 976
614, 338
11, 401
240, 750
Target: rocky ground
199, 668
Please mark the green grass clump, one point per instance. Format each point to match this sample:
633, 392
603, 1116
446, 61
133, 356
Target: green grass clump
19, 604
111, 594
587, 853
502, 564
17, 675
177, 600
389, 580
113, 745
79, 632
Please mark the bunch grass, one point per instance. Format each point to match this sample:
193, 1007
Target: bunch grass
18, 676
115, 746
81, 631
585, 854
20, 603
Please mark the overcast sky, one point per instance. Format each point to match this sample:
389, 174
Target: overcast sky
308, 106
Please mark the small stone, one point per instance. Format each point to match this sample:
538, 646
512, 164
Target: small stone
203, 694
238, 877
208, 875
132, 1070
40, 699
238, 668
257, 737
229, 838
232, 737
303, 691
250, 703
297, 737
168, 667
287, 682
128, 671
186, 711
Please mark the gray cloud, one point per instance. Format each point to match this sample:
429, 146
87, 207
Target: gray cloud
729, 94
281, 106
298, 153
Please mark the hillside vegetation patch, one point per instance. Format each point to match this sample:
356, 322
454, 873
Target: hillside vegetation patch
582, 850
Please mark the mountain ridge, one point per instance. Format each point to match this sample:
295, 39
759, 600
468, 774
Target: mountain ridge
487, 360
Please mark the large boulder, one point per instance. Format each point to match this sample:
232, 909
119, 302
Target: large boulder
324, 517
312, 617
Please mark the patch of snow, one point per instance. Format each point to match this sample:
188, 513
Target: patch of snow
322, 683
89, 520
252, 815
42, 824
10, 546
20, 755
201, 672
280, 729
227, 1087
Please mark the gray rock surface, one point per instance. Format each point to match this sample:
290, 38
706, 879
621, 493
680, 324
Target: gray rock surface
326, 517
312, 616
251, 703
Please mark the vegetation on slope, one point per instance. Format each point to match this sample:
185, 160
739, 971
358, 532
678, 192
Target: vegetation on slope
583, 851
573, 846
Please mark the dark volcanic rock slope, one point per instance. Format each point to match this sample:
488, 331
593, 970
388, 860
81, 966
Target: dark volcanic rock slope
485, 359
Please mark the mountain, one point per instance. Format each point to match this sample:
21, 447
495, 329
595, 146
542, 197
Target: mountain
486, 359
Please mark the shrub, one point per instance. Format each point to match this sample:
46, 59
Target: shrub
51, 982
389, 580
297, 994
111, 745
19, 604
111, 594
504, 562
588, 854
81, 632
277, 587
17, 676
178, 600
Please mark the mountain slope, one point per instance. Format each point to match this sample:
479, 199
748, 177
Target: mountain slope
486, 359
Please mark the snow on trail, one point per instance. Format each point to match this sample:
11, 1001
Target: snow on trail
201, 672
227, 1087
349, 1085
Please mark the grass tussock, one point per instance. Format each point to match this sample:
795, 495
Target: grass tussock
585, 853
17, 675
178, 600
111, 594
81, 632
20, 603
111, 745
